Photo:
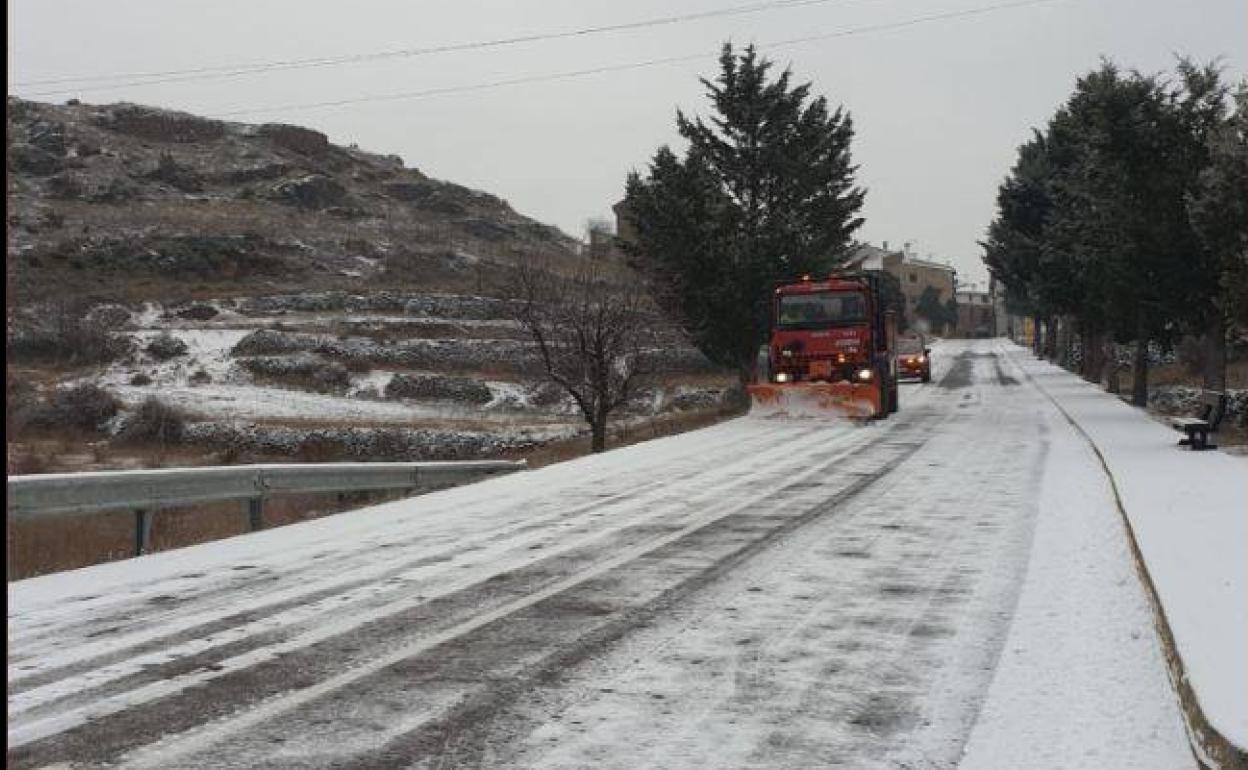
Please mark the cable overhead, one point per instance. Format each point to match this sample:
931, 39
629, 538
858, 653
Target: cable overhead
130, 79
851, 32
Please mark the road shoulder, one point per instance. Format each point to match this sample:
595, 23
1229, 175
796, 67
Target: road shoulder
1081, 682
1184, 514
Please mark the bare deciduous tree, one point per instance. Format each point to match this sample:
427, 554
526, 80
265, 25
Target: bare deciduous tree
592, 331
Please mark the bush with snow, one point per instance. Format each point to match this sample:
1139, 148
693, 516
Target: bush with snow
82, 407
438, 388
306, 372
165, 347
154, 420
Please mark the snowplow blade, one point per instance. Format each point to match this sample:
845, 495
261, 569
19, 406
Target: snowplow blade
814, 399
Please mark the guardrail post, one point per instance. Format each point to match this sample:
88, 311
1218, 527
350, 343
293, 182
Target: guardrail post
255, 514
142, 531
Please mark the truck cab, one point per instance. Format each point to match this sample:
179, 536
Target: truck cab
832, 338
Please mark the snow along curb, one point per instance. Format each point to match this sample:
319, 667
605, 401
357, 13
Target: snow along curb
1212, 749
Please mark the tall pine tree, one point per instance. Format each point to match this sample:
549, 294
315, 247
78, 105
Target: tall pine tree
764, 193
1218, 210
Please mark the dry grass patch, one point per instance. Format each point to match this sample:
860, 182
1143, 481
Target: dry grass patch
54, 545
1178, 374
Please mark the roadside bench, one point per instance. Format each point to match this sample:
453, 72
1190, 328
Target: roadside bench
1209, 414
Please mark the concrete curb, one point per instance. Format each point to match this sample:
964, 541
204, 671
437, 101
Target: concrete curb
1211, 749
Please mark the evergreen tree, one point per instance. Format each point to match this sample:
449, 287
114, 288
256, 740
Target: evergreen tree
1218, 211
1143, 147
931, 309
1016, 234
1093, 222
951, 313
764, 193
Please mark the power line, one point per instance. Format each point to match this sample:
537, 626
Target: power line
130, 79
570, 74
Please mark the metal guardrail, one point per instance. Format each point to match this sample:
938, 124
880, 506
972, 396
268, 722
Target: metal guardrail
52, 495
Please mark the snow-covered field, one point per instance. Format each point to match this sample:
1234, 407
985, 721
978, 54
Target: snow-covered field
763, 593
331, 367
228, 392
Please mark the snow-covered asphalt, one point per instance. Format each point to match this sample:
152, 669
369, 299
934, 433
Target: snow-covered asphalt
773, 593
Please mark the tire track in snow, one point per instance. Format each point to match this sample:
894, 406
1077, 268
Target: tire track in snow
476, 736
715, 483
828, 705
227, 591
713, 480
72, 655
694, 557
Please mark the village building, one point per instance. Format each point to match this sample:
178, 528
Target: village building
915, 275
976, 312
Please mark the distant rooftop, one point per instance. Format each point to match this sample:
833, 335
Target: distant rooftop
869, 256
909, 260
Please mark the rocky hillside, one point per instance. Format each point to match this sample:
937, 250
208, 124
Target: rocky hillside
129, 203
242, 292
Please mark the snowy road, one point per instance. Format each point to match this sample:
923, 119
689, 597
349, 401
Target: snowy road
763, 593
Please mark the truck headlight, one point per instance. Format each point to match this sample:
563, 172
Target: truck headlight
864, 374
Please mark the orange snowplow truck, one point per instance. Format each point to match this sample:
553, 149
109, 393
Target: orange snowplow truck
832, 349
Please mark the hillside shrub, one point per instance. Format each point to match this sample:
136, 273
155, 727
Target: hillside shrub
462, 389
154, 420
65, 335
306, 372
81, 407
165, 347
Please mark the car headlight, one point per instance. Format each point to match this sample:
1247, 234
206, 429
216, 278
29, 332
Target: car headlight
782, 377
921, 359
864, 374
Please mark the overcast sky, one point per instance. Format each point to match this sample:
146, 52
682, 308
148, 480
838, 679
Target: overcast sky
939, 107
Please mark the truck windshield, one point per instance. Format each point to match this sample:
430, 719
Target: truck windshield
804, 311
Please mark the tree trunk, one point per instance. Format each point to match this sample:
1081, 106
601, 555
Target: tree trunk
1112, 383
1050, 338
1035, 335
1063, 346
1085, 348
1139, 373
1094, 356
598, 434
1214, 375
1065, 343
